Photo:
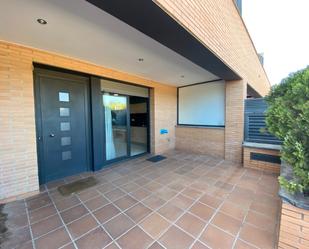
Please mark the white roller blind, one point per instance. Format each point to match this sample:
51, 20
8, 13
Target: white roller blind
121, 88
202, 104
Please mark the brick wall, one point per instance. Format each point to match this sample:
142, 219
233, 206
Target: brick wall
200, 140
294, 228
235, 93
255, 164
218, 25
18, 164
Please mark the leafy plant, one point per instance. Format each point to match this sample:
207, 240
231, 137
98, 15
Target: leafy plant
288, 118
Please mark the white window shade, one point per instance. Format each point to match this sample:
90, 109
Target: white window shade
202, 104
122, 88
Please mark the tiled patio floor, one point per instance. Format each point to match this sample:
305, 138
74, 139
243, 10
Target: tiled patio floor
185, 201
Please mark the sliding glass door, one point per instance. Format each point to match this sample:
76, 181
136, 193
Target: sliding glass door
116, 126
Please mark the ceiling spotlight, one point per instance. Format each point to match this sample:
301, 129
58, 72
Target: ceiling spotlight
140, 59
41, 21
182, 76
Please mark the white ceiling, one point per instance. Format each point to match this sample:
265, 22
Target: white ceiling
78, 29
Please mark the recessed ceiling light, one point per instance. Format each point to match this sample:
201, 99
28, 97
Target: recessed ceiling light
182, 76
140, 59
41, 21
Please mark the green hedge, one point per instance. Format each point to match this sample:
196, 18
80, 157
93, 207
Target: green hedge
288, 118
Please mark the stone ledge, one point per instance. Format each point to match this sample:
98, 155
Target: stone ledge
262, 146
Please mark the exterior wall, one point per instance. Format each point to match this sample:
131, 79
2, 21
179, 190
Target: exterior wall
234, 119
255, 164
200, 140
18, 164
294, 227
219, 26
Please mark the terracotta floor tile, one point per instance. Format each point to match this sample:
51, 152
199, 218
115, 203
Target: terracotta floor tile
105, 213
118, 225
175, 238
114, 194
106, 187
166, 193
153, 186
153, 202
130, 187
41, 201
257, 237
53, 240
211, 201
73, 213
82, 226
141, 181
16, 221
69, 246
191, 224
192, 193
154, 225
199, 245
170, 212
227, 223
42, 213
268, 210
202, 211
134, 239
112, 246
177, 186
67, 203
233, 210
243, 245
138, 212
261, 221
46, 225
125, 202
96, 239
96, 203
216, 238
15, 238
156, 245
181, 201
140, 194
88, 194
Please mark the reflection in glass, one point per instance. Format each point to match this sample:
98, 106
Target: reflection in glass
66, 155
64, 112
64, 97
65, 126
65, 141
115, 110
138, 125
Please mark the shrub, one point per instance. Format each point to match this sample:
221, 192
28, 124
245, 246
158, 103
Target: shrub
288, 118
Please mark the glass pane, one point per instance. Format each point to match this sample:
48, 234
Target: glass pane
115, 109
65, 126
65, 141
138, 125
64, 112
64, 97
66, 155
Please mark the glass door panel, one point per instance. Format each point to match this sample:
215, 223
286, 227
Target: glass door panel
116, 126
138, 125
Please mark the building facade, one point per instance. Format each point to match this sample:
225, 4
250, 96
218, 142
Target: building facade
87, 83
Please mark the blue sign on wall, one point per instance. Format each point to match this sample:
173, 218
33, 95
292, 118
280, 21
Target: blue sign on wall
163, 131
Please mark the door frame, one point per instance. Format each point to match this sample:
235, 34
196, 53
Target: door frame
108, 162
61, 74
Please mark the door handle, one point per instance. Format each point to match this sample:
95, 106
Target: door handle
51, 134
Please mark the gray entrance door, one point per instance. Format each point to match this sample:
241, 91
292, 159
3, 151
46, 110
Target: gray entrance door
62, 124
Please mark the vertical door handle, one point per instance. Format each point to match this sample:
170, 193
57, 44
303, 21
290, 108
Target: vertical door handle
51, 134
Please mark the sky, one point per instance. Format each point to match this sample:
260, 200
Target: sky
280, 30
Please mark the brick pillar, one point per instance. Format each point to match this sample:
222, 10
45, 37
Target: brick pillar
234, 119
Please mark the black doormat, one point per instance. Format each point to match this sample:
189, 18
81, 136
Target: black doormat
77, 186
157, 158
